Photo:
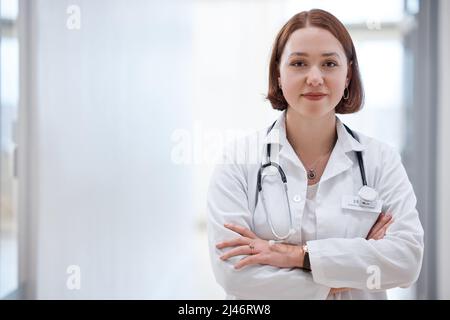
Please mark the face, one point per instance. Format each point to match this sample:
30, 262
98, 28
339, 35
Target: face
313, 72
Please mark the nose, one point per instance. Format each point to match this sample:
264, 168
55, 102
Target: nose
314, 77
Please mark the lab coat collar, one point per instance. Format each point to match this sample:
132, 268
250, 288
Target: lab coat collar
348, 142
339, 160
277, 136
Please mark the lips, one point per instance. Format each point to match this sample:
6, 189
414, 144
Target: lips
314, 95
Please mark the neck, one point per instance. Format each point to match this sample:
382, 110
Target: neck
311, 138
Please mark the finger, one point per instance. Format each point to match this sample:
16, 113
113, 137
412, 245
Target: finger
375, 225
382, 232
344, 289
241, 230
254, 259
239, 251
240, 241
384, 229
378, 235
380, 223
383, 220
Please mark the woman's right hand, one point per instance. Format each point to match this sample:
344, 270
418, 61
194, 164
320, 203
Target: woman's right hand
377, 232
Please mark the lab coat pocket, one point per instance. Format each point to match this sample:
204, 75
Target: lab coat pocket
359, 223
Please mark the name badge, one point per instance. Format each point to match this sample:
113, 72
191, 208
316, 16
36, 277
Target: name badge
356, 203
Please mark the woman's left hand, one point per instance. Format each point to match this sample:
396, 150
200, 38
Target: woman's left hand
259, 251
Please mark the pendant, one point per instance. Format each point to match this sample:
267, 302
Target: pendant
311, 174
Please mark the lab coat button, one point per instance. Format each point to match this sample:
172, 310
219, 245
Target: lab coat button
297, 198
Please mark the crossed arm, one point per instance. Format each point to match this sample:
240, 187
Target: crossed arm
281, 255
336, 263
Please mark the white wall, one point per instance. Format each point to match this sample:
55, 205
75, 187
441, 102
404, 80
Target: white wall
103, 192
443, 147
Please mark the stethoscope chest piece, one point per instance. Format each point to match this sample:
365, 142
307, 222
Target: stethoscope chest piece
367, 195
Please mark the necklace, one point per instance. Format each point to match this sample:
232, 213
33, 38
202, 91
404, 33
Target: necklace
311, 170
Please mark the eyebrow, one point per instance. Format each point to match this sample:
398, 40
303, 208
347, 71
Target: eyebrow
304, 54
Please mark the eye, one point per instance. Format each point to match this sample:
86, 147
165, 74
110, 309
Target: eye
298, 64
331, 64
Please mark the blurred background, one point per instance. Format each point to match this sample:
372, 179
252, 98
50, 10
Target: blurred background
113, 112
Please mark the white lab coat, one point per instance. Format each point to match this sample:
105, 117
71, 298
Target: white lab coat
340, 256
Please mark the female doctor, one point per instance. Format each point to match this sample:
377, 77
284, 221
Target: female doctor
322, 212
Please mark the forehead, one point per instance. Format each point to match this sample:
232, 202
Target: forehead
313, 41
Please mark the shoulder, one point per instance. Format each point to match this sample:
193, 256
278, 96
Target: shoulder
243, 150
383, 162
377, 149
240, 157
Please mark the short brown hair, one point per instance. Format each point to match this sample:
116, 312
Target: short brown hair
324, 20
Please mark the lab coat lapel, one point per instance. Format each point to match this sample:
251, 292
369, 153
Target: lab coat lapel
280, 146
281, 149
339, 160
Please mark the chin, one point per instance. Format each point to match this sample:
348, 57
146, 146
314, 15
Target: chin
312, 112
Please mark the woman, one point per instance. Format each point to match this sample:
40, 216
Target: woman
330, 242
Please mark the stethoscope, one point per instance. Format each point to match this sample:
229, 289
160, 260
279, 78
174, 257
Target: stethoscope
367, 195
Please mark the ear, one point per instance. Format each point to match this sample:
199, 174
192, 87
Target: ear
349, 74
